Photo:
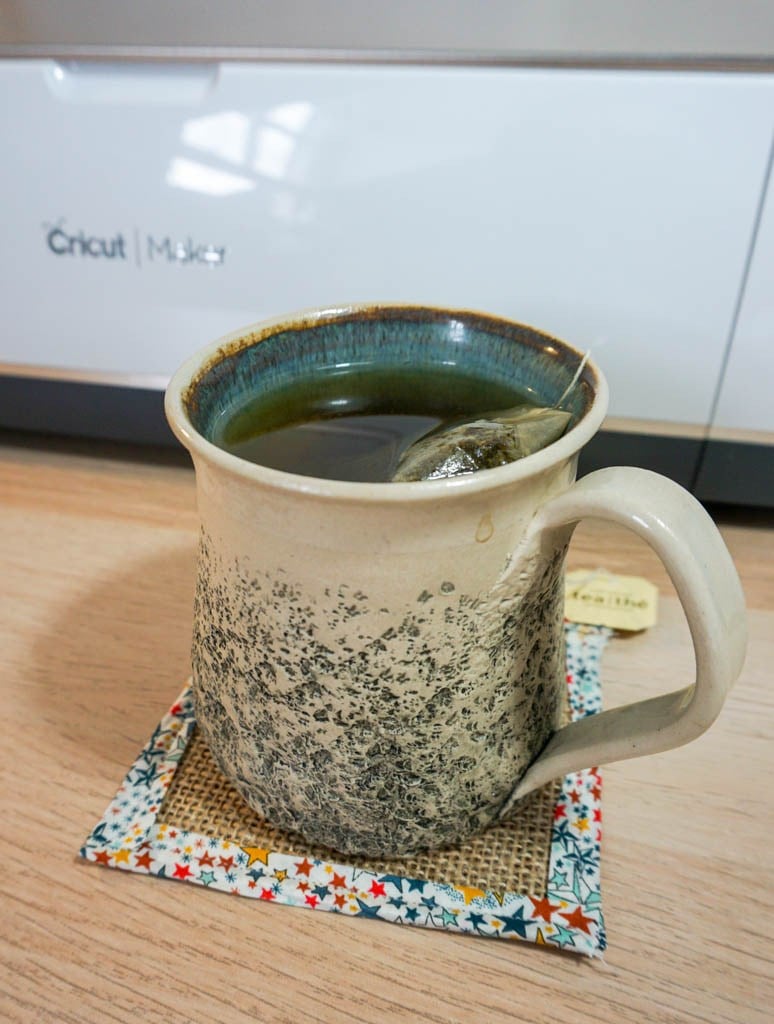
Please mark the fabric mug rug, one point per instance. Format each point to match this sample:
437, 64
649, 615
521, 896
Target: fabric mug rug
535, 878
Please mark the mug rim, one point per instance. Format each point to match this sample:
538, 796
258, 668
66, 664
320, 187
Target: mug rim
186, 377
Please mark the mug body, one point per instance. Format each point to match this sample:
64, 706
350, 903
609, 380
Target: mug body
376, 665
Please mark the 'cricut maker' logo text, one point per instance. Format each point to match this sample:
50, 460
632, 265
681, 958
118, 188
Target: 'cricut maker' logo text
187, 251
78, 243
142, 247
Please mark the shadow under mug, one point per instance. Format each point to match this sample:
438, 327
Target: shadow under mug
380, 666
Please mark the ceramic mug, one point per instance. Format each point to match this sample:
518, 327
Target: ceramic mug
380, 666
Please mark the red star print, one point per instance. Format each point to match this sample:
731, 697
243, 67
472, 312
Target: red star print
103, 857
596, 792
311, 900
172, 834
339, 881
377, 888
206, 861
146, 845
568, 677
176, 709
544, 908
339, 900
303, 867
143, 861
303, 886
574, 796
182, 871
252, 883
577, 919
226, 862
560, 811
597, 814
267, 894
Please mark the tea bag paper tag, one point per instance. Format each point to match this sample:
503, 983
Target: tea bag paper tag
598, 598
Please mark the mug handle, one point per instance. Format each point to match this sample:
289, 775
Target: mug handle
697, 560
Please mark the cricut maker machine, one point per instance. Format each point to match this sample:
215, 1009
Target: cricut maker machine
166, 181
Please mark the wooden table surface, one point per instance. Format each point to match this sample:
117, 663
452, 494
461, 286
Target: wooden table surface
97, 554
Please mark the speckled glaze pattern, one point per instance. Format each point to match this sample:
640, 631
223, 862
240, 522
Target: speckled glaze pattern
405, 736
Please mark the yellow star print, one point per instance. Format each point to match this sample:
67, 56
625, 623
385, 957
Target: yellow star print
470, 892
255, 853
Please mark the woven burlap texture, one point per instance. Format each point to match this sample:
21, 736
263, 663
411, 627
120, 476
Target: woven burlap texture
510, 857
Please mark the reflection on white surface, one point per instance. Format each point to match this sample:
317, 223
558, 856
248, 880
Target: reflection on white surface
294, 117
277, 138
227, 136
210, 181
273, 150
224, 135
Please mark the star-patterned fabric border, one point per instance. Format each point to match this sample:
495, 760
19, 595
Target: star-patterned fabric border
568, 915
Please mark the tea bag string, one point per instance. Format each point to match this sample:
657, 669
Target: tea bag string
575, 379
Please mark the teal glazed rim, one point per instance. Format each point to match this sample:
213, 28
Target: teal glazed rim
270, 355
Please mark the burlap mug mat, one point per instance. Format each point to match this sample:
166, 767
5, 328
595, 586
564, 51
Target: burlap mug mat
535, 877
513, 857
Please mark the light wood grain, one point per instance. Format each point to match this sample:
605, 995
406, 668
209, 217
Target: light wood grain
97, 560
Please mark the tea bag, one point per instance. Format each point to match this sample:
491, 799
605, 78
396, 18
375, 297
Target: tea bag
493, 440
